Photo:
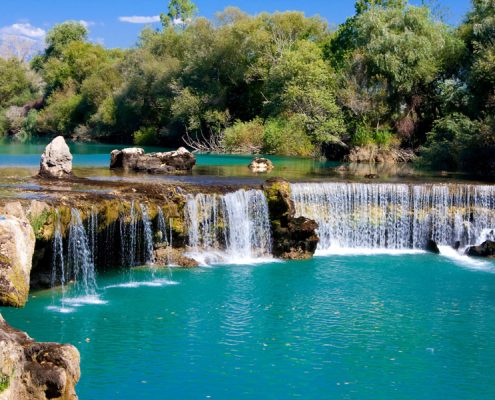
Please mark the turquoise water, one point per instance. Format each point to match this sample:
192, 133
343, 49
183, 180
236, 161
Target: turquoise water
341, 327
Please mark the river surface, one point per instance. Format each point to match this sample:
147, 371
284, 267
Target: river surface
405, 326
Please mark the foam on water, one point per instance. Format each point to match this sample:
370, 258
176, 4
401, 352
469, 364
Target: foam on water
82, 300
206, 258
466, 261
364, 251
154, 283
61, 309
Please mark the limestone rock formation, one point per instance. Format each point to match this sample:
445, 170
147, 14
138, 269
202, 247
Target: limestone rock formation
486, 249
375, 154
165, 255
36, 371
56, 161
260, 164
154, 163
17, 243
293, 238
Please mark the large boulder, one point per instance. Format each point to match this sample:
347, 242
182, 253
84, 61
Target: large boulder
381, 155
260, 164
56, 161
165, 256
36, 371
292, 238
17, 243
155, 163
486, 249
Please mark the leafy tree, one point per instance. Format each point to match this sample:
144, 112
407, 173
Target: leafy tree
179, 12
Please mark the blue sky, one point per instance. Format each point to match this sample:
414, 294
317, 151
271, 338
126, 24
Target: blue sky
31, 18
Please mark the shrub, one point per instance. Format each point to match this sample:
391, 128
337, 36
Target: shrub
287, 136
146, 137
244, 137
453, 143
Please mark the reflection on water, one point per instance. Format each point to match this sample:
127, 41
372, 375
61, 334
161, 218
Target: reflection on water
92, 161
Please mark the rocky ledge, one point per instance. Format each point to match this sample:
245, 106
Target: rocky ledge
36, 371
293, 238
169, 162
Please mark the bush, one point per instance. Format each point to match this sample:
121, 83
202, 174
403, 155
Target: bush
288, 137
146, 137
244, 137
453, 143
364, 136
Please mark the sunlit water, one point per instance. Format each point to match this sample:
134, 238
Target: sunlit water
403, 326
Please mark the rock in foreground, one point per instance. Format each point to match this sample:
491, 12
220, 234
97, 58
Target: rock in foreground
486, 249
169, 162
16, 252
36, 371
261, 165
292, 238
166, 255
56, 161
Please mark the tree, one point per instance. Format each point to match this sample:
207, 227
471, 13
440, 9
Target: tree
63, 34
179, 12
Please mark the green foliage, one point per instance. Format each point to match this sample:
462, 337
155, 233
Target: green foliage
453, 143
4, 382
145, 137
287, 136
244, 137
179, 11
62, 35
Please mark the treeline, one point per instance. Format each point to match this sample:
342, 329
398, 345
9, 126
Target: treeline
392, 76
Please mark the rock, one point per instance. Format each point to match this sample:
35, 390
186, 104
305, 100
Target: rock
432, 247
371, 176
261, 165
56, 161
335, 150
376, 154
17, 243
36, 371
154, 163
292, 238
486, 249
166, 255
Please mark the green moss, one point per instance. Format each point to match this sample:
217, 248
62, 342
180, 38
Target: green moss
4, 382
38, 223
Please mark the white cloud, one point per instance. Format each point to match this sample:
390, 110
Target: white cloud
21, 40
23, 29
140, 19
85, 23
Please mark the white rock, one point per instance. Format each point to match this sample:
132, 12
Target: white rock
56, 161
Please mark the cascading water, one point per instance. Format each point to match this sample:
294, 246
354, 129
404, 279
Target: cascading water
395, 216
148, 235
128, 237
162, 226
236, 223
58, 263
79, 260
93, 234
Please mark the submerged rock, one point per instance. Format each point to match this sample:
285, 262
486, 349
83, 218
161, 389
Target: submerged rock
292, 238
154, 163
486, 249
36, 371
260, 164
168, 255
17, 243
56, 161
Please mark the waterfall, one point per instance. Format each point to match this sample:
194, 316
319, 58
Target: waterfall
93, 234
79, 258
395, 216
162, 226
128, 237
236, 223
148, 235
58, 263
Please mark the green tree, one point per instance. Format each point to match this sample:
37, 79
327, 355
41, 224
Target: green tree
179, 11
